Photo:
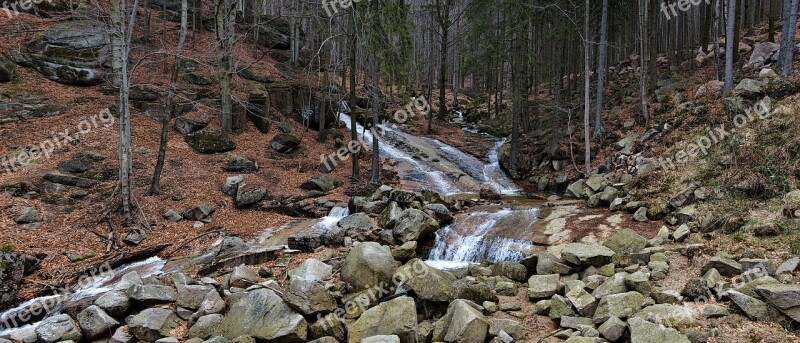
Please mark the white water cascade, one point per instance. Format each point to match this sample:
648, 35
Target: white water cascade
100, 283
484, 234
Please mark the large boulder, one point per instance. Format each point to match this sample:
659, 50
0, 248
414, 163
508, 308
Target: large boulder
621, 305
7, 69
643, 331
152, 324
587, 254
71, 52
462, 323
625, 241
413, 224
428, 284
785, 298
395, 317
284, 143
263, 315
95, 322
762, 53
309, 297
368, 265
320, 182
58, 328
209, 141
312, 269
275, 32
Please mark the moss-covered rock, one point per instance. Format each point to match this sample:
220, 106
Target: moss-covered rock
71, 52
284, 143
210, 141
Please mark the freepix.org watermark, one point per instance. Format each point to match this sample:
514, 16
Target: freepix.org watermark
673, 7
761, 110
333, 6
45, 149
13, 8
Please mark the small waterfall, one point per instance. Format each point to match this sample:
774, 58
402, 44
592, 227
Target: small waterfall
494, 172
97, 284
486, 173
484, 234
334, 216
429, 176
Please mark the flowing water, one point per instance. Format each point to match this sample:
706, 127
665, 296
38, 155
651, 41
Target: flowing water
495, 233
104, 281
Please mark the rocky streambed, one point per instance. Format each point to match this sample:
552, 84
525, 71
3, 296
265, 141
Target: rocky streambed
364, 278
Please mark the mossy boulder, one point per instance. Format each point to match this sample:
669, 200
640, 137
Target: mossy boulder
71, 52
210, 141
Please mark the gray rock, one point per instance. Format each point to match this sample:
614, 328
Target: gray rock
669, 315
413, 225
596, 183
115, 303
192, 296
58, 328
576, 189
209, 141
172, 216
440, 212
621, 305
12, 270
782, 296
381, 339
241, 164
512, 327
587, 254
262, 314
681, 233
643, 331
612, 285
754, 309
612, 329
667, 297
715, 311
7, 69
242, 277
640, 215
474, 290
695, 289
248, 195
462, 323
312, 269
231, 184
151, 294
512, 270
152, 324
199, 212
28, 215
72, 52
405, 252
625, 241
320, 182
367, 265
583, 302
284, 143
121, 335
395, 317
788, 266
542, 286
95, 322
547, 263
560, 307
428, 284
205, 326
309, 297
725, 266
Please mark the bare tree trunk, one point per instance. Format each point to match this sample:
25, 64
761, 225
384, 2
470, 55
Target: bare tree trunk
717, 10
225, 16
601, 70
729, 47
643, 64
155, 187
376, 98
586, 93
353, 129
121, 36
786, 54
